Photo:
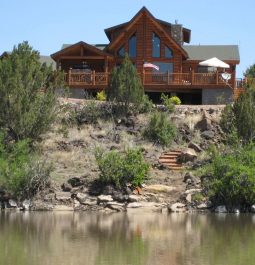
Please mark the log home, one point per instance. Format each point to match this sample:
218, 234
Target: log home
147, 39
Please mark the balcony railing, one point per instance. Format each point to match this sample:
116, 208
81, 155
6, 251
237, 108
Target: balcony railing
101, 79
86, 78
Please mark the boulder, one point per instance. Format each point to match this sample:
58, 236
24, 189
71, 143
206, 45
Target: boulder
76, 181
221, 209
116, 206
134, 198
63, 196
204, 206
90, 201
104, 198
134, 205
195, 146
26, 204
12, 204
177, 207
192, 191
81, 197
190, 178
118, 196
66, 187
188, 154
208, 135
253, 208
204, 124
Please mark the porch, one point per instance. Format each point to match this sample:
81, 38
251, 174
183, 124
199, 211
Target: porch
153, 81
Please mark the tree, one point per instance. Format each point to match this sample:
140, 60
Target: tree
240, 118
250, 71
126, 88
25, 110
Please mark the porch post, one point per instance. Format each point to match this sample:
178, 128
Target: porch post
217, 77
168, 77
93, 77
69, 76
192, 77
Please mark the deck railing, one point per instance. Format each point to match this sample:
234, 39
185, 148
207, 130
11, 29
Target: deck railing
87, 78
96, 79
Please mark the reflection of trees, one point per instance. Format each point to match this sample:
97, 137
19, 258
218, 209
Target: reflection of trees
227, 239
117, 243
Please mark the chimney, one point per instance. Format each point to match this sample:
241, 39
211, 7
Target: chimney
176, 32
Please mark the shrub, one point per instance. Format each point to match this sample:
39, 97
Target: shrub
21, 173
125, 88
159, 129
25, 110
231, 178
121, 169
146, 105
101, 96
239, 119
90, 113
175, 100
167, 102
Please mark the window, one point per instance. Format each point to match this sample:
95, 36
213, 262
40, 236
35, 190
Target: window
168, 52
132, 46
164, 67
155, 45
121, 52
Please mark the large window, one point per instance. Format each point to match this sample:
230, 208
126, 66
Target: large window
164, 67
168, 52
132, 46
155, 45
121, 52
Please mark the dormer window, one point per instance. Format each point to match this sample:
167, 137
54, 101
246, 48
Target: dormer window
168, 52
121, 52
155, 45
132, 46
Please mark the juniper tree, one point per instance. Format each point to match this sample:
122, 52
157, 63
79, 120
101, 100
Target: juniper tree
26, 111
125, 88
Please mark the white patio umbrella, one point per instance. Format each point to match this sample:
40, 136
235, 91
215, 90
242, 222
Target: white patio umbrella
214, 62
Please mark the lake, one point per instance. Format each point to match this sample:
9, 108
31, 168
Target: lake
133, 238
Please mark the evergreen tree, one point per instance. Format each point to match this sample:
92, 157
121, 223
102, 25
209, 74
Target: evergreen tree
250, 71
25, 110
126, 88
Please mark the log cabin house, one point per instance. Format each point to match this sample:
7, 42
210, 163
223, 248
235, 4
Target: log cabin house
147, 39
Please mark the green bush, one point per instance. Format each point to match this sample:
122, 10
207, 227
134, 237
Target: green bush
167, 102
146, 105
121, 169
159, 129
231, 177
101, 96
175, 100
20, 171
27, 92
125, 88
90, 113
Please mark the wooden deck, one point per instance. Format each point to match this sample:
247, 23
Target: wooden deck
156, 81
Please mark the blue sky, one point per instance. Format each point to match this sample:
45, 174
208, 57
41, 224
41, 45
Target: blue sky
47, 24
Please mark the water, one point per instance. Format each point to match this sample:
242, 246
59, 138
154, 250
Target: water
66, 238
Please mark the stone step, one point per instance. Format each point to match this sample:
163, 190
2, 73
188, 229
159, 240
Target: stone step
170, 160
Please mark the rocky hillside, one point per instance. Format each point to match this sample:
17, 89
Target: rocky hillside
70, 149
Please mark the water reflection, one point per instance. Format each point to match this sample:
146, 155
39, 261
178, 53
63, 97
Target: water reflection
137, 238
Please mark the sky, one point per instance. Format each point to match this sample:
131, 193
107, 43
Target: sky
47, 24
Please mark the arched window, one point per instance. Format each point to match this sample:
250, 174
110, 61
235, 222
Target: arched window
132, 46
121, 51
168, 52
155, 45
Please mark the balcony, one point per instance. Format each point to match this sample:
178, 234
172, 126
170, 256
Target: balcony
154, 81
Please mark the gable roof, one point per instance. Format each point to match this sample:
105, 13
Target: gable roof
128, 25
204, 52
186, 32
67, 47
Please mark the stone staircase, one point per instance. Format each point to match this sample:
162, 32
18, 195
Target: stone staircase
169, 159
